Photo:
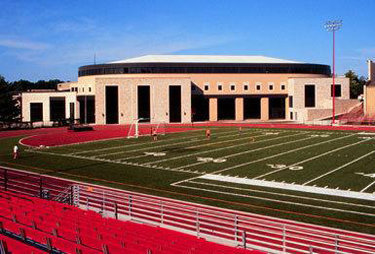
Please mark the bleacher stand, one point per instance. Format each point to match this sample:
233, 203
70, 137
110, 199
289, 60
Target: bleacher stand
33, 225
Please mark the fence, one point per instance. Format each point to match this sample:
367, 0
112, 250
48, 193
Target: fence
248, 230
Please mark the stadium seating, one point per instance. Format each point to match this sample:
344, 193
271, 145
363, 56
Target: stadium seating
30, 225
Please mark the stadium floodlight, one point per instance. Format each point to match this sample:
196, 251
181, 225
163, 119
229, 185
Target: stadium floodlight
332, 26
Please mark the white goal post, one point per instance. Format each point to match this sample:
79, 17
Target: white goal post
138, 128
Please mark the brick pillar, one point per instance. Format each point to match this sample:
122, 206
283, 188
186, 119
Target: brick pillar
264, 105
287, 114
213, 109
239, 109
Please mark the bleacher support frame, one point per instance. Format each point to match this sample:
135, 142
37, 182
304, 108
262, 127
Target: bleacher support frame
231, 227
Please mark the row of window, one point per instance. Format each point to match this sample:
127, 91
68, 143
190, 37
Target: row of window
75, 89
258, 87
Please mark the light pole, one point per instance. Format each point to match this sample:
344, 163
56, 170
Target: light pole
332, 26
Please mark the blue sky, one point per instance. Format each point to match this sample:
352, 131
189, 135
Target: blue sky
51, 39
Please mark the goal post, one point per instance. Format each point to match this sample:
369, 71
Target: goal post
138, 128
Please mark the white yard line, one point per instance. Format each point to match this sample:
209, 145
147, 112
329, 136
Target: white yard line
368, 186
191, 147
278, 201
285, 195
222, 148
148, 142
342, 166
160, 146
115, 162
309, 159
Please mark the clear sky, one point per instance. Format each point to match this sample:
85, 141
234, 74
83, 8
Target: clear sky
46, 39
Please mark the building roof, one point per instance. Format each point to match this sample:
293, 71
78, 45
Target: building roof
203, 59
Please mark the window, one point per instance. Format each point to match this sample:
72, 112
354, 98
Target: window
83, 89
282, 87
290, 101
72, 89
232, 87
270, 87
206, 87
337, 90
219, 87
291, 115
90, 89
246, 87
36, 112
309, 96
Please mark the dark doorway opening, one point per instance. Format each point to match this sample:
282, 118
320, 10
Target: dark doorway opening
111, 104
309, 96
226, 109
86, 109
251, 108
175, 104
277, 108
57, 109
72, 111
144, 103
36, 112
199, 108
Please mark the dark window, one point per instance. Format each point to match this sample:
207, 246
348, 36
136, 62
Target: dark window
206, 87
291, 115
271, 87
36, 112
258, 87
219, 87
290, 101
232, 87
246, 87
89, 89
57, 108
282, 87
337, 90
309, 96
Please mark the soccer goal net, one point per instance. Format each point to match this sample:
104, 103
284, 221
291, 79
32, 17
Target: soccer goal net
138, 128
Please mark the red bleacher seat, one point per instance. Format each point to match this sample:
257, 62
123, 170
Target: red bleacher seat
69, 229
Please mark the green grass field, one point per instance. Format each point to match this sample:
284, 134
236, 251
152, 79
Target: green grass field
322, 177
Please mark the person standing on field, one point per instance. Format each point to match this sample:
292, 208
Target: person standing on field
15, 152
208, 134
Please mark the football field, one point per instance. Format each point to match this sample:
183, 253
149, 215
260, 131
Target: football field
324, 177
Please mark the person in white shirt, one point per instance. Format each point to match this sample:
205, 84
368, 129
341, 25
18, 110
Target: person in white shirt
15, 152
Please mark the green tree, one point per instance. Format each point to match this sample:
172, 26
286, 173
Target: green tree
356, 84
9, 109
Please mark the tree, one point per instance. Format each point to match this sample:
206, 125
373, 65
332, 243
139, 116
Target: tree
356, 84
9, 108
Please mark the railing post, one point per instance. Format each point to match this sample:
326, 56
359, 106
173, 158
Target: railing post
336, 243
71, 195
284, 238
76, 196
236, 228
5, 179
161, 212
116, 211
244, 239
130, 205
197, 223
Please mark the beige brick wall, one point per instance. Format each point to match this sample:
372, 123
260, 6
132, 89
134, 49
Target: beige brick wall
159, 98
44, 97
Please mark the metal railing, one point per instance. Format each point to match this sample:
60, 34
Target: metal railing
237, 228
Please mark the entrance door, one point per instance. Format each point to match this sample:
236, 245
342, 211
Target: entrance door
175, 104
111, 104
144, 103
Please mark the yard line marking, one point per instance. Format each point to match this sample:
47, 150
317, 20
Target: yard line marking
113, 161
147, 142
277, 201
165, 145
342, 166
368, 186
222, 148
309, 159
285, 195
279, 154
201, 145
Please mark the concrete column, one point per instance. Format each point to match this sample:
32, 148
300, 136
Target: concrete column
213, 109
239, 109
264, 105
287, 114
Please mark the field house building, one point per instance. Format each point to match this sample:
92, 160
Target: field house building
186, 88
